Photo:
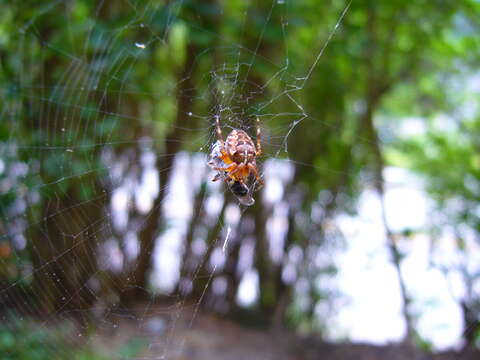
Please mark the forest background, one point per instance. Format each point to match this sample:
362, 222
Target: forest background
114, 241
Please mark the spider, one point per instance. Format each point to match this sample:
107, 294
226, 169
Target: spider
238, 153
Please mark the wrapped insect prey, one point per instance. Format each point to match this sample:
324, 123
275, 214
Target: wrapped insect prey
239, 189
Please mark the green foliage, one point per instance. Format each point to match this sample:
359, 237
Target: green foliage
22, 340
132, 348
27, 340
423, 344
450, 163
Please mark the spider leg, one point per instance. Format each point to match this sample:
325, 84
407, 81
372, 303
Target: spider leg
253, 169
229, 168
236, 169
219, 132
259, 138
217, 177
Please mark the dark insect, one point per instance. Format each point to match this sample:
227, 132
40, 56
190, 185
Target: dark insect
239, 189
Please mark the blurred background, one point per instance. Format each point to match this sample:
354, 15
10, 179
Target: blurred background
362, 244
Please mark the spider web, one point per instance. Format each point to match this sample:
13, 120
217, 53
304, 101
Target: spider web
77, 113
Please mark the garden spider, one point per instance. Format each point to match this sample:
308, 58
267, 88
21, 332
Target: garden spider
237, 155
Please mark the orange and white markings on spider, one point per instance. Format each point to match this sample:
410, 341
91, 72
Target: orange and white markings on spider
236, 156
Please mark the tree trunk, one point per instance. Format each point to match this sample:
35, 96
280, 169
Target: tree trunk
231, 264
188, 263
376, 87
203, 274
63, 252
379, 186
153, 223
262, 261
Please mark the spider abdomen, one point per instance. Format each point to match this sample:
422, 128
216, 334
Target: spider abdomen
240, 146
